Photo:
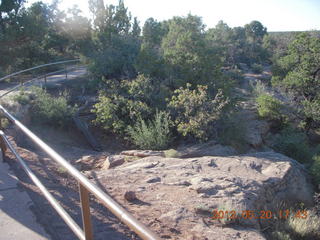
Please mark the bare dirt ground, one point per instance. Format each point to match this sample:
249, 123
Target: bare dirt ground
65, 190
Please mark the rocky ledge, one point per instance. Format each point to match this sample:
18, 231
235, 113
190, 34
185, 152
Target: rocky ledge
176, 197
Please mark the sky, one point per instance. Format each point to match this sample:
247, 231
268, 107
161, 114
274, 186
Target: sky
276, 15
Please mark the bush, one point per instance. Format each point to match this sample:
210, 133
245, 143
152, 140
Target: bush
269, 107
116, 112
235, 75
232, 131
258, 88
154, 135
195, 112
148, 90
51, 110
293, 144
295, 228
315, 169
257, 68
22, 98
171, 153
311, 110
305, 228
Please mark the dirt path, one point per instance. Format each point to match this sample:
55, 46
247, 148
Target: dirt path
65, 189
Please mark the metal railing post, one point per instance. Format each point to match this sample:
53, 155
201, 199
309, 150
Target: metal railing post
45, 81
3, 145
65, 67
85, 209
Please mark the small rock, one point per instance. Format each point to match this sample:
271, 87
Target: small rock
153, 180
113, 161
130, 196
151, 165
181, 183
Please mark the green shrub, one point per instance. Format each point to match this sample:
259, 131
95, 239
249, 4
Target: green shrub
51, 110
311, 110
269, 107
258, 88
22, 98
116, 112
232, 131
257, 68
171, 153
235, 75
4, 122
154, 135
146, 89
195, 112
315, 169
293, 144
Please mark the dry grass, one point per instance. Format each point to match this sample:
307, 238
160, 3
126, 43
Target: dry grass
309, 227
295, 228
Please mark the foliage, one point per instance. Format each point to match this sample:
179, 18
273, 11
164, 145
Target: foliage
171, 153
294, 144
315, 169
195, 112
147, 89
51, 110
116, 43
186, 55
235, 75
4, 123
150, 59
257, 68
305, 228
298, 228
311, 111
154, 134
39, 34
239, 44
22, 98
269, 107
299, 73
232, 131
116, 112
258, 88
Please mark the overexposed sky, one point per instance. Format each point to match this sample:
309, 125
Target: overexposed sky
276, 15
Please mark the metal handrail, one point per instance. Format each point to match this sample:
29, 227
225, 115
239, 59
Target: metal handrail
37, 78
85, 184
36, 67
54, 203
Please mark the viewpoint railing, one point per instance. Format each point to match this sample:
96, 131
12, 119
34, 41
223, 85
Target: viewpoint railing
85, 187
43, 76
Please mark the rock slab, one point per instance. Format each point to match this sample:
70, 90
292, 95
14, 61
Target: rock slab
175, 193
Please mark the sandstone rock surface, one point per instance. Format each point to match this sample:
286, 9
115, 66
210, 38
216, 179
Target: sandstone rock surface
113, 161
142, 153
177, 196
206, 149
